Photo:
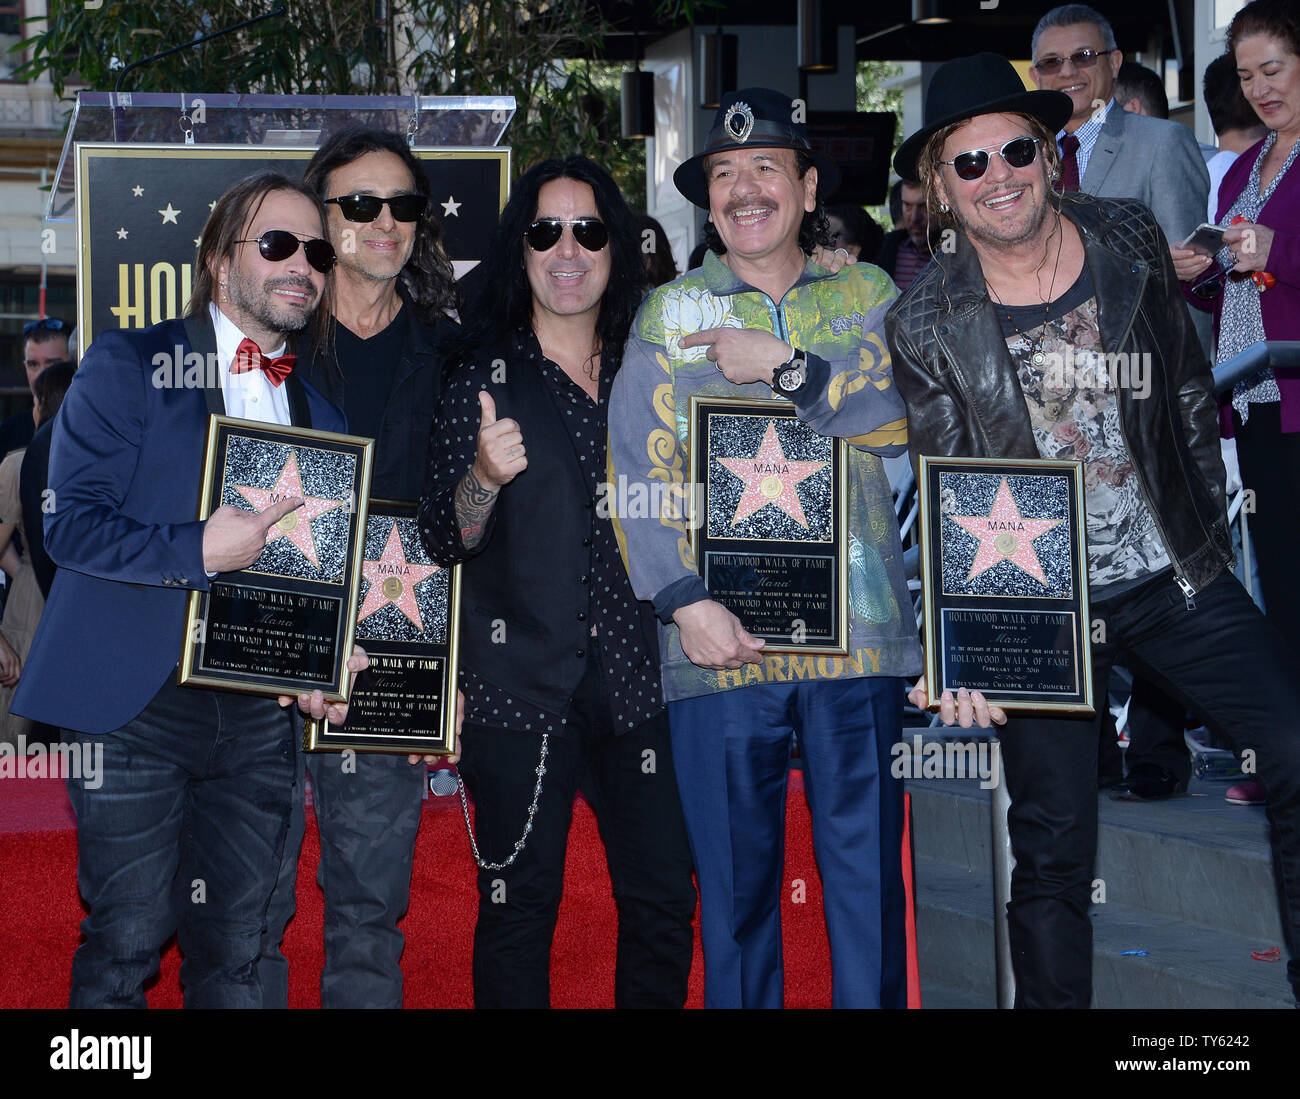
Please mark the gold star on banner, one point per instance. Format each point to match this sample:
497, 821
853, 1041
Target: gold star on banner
212, 205
451, 208
169, 215
392, 580
770, 478
137, 190
297, 524
1005, 535
196, 241
121, 234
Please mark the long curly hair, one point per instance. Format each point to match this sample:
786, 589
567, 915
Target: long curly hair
427, 277
814, 230
505, 299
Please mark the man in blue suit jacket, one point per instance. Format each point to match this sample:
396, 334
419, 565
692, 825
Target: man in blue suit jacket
182, 821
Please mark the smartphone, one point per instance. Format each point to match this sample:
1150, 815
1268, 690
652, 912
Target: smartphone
1206, 239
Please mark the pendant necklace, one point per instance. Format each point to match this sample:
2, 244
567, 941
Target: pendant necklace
1036, 356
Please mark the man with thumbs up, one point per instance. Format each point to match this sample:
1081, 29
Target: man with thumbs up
181, 822
559, 659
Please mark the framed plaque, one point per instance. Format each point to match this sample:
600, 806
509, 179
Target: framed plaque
1004, 572
771, 533
284, 624
408, 614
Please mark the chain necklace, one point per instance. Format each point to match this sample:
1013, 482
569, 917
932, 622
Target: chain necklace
1036, 356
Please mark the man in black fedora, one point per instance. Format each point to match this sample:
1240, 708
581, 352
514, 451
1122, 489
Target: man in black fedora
1053, 327
761, 319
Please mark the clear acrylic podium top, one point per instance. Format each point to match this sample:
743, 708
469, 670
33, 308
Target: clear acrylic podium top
223, 119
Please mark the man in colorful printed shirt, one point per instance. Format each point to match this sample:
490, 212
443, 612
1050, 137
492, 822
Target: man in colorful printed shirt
760, 320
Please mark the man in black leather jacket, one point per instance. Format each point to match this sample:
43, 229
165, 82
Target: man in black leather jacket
987, 347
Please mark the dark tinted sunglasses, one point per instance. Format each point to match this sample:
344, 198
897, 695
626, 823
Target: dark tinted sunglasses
1019, 152
544, 234
367, 207
280, 244
46, 324
1080, 59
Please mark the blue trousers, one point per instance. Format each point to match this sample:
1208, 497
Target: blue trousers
183, 835
732, 754
368, 808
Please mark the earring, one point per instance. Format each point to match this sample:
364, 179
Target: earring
943, 207
224, 296
1055, 176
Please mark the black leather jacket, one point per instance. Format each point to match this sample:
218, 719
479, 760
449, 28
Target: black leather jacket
963, 395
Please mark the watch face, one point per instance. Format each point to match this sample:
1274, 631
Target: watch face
791, 379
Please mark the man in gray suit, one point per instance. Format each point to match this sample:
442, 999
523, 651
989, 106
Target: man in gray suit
1107, 151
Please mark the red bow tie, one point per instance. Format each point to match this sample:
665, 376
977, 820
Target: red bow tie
248, 356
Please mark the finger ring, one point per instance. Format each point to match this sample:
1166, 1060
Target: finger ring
1233, 255
839, 250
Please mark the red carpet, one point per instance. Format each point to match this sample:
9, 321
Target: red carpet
40, 911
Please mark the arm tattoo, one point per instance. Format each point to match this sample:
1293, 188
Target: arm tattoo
474, 503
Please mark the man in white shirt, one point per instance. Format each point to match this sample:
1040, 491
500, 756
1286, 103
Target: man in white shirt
182, 821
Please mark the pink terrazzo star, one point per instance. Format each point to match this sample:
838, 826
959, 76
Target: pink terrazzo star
296, 526
392, 580
1006, 535
770, 478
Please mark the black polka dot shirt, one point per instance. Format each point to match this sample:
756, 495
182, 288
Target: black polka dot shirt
630, 674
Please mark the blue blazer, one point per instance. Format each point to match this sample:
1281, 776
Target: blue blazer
126, 469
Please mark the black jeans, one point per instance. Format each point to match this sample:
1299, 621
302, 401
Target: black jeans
182, 831
1222, 660
629, 781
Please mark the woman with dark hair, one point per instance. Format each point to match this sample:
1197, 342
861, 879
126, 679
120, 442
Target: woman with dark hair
559, 661
854, 230
26, 602
1255, 295
660, 267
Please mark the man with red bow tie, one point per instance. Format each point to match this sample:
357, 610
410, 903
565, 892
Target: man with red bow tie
182, 820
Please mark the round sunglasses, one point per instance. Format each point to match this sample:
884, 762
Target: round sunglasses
279, 244
544, 234
1019, 152
367, 207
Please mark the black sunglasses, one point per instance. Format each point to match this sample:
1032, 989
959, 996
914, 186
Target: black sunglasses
46, 324
1019, 152
1080, 59
367, 207
544, 234
280, 244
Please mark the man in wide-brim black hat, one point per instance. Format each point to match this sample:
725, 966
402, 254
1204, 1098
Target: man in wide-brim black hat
761, 319
1052, 326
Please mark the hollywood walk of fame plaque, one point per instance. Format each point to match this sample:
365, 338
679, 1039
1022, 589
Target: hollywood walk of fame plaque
408, 610
1004, 570
771, 540
285, 624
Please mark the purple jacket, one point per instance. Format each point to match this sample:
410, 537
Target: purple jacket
1279, 306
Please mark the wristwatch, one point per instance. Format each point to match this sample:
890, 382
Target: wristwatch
790, 376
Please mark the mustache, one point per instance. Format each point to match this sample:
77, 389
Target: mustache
290, 283
761, 204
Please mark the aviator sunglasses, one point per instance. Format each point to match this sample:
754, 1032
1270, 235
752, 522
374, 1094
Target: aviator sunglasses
280, 244
1019, 152
544, 234
367, 207
1080, 59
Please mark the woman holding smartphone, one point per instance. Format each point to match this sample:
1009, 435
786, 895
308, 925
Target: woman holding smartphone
1255, 292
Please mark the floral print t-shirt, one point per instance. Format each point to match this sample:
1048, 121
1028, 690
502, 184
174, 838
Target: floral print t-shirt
1070, 390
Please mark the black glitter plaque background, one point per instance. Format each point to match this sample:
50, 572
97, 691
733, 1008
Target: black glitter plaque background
740, 436
327, 474
389, 622
1038, 496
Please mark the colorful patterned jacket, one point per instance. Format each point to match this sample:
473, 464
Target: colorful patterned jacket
838, 322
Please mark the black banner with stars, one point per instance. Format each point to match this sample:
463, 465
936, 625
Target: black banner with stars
141, 209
